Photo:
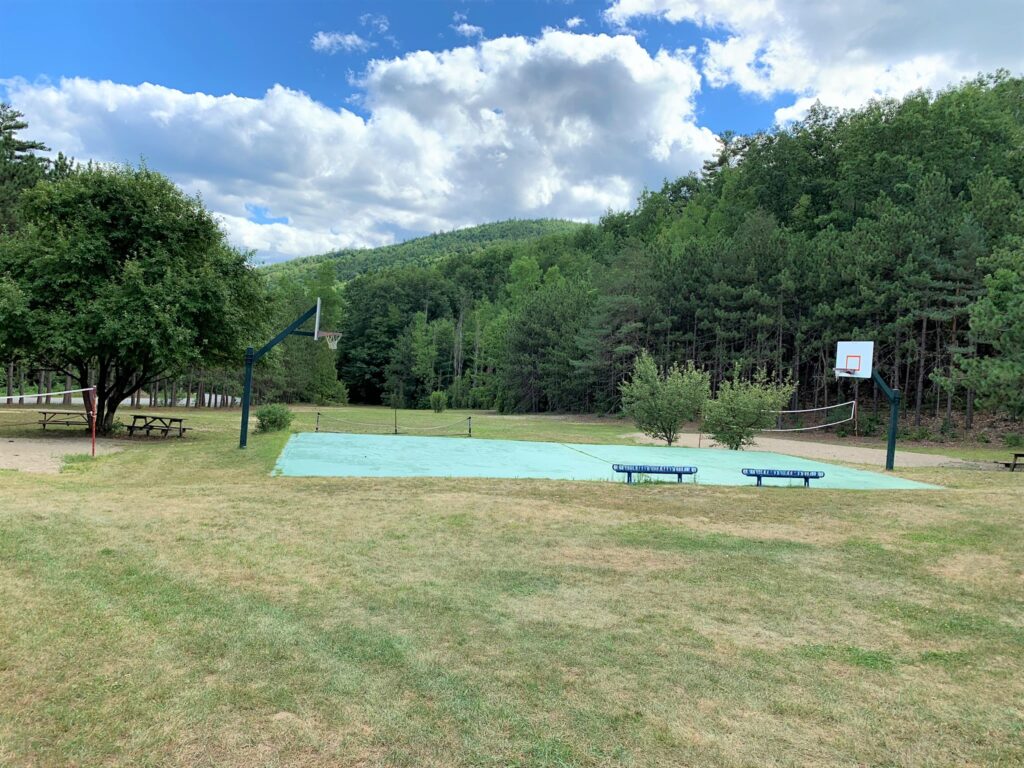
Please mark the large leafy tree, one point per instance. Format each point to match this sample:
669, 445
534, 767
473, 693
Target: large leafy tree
117, 278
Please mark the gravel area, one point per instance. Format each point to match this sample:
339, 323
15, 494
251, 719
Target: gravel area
42, 454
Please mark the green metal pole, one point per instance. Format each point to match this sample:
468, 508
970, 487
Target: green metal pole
894, 423
250, 357
893, 396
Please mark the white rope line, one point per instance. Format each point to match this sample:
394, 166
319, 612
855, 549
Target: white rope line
807, 429
822, 408
427, 429
9, 398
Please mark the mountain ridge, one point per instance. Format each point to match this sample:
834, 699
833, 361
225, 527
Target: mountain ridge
428, 249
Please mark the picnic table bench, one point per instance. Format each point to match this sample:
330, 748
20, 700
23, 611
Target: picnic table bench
63, 418
1017, 461
654, 469
149, 422
800, 474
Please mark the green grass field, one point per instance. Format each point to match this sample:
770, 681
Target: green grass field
175, 605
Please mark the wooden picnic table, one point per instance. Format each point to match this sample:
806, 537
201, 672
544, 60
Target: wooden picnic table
1016, 460
148, 422
63, 418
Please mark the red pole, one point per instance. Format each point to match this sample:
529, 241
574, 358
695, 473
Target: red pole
93, 420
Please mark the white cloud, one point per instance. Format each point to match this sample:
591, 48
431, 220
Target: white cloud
332, 42
563, 125
379, 22
574, 22
842, 53
468, 30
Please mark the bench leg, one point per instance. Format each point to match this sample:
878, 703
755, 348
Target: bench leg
807, 482
758, 481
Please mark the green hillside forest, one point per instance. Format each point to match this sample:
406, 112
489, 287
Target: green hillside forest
421, 250
902, 222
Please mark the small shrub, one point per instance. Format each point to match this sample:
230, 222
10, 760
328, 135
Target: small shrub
660, 404
743, 408
915, 434
869, 425
983, 438
1013, 440
948, 428
438, 401
273, 418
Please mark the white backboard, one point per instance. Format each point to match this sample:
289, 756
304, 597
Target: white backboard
854, 359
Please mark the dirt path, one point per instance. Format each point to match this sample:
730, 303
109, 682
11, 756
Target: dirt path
855, 454
40, 454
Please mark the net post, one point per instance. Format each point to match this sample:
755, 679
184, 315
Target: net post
469, 425
95, 410
317, 421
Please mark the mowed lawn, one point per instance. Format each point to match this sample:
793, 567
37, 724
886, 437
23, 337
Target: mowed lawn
175, 605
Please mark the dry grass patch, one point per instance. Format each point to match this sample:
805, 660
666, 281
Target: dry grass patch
176, 605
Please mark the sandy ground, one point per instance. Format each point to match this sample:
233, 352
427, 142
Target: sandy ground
40, 454
854, 454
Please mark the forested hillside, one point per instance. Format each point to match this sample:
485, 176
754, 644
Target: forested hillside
901, 222
422, 250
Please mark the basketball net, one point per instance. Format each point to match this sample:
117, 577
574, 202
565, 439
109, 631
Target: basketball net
331, 337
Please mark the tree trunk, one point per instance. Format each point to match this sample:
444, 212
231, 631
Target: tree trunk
921, 353
969, 417
938, 356
188, 389
67, 395
10, 381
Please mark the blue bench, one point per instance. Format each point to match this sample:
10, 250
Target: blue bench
654, 469
800, 474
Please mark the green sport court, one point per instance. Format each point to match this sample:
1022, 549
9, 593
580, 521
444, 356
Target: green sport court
332, 454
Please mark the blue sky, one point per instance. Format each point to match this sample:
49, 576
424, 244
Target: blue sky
246, 47
315, 125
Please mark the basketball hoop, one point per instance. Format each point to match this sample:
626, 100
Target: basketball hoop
331, 337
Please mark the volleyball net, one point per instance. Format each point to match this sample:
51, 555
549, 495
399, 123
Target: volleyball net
810, 419
329, 422
60, 408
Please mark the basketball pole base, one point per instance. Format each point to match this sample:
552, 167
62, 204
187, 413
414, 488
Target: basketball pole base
893, 396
